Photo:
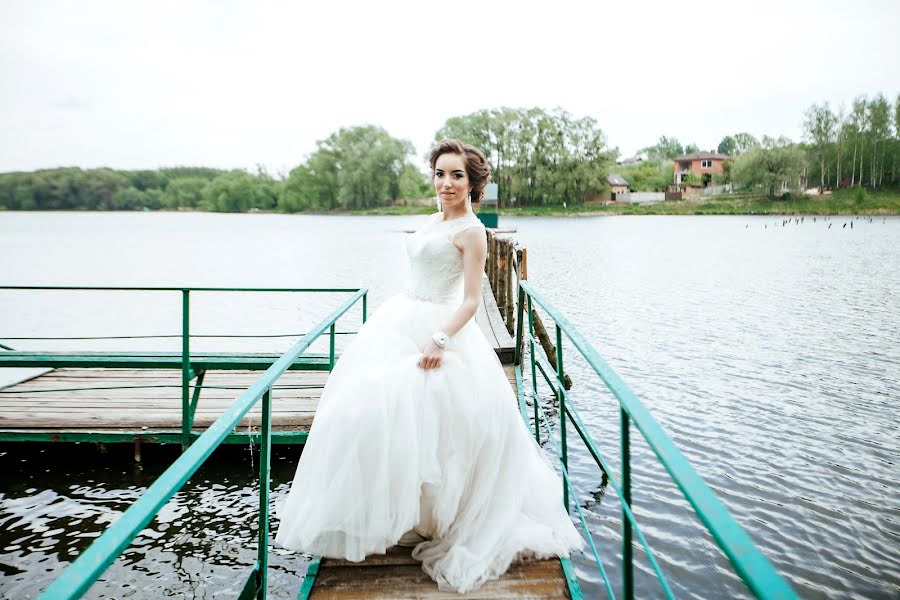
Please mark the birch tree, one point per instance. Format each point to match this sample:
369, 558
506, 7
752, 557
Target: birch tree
819, 130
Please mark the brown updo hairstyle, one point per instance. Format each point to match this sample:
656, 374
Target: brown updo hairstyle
477, 168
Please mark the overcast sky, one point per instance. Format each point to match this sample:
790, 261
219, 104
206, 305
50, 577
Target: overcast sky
131, 84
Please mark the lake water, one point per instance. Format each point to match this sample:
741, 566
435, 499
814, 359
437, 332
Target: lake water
768, 350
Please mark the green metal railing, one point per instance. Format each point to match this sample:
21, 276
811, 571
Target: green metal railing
77, 578
188, 402
750, 564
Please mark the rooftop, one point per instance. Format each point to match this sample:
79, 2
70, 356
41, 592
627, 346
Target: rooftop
702, 155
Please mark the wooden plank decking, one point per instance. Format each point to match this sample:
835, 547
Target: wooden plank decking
492, 326
146, 411
396, 575
126, 410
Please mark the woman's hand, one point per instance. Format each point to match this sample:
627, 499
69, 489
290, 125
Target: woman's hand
431, 356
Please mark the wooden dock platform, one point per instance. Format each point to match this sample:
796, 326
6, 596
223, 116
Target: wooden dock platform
125, 412
397, 575
141, 395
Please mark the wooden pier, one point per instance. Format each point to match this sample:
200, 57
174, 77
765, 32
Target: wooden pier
124, 412
137, 396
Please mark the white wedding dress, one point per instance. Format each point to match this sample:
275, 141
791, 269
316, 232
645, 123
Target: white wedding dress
395, 447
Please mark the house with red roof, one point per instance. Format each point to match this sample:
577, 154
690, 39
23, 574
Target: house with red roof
694, 171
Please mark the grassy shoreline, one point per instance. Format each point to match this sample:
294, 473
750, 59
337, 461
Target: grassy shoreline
846, 202
879, 203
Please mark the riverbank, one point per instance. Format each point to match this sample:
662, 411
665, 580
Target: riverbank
847, 202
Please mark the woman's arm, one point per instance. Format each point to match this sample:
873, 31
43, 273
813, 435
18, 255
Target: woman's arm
473, 245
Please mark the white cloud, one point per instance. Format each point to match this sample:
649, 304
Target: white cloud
232, 84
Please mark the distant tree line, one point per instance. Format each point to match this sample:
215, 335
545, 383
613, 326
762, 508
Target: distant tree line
855, 148
358, 167
538, 157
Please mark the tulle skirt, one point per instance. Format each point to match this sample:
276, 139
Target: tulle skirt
395, 447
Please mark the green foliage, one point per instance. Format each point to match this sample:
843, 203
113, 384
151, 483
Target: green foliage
413, 184
774, 167
668, 148
727, 146
537, 156
184, 192
648, 176
860, 147
819, 129
354, 168
691, 178
737, 144
238, 191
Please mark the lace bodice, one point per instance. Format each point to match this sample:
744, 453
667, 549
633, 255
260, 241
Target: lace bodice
436, 266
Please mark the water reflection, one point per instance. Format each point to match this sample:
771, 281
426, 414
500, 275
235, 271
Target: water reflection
202, 543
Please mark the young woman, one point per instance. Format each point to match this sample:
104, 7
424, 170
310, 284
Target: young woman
417, 438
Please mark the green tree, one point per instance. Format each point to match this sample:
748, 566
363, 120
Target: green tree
666, 147
236, 191
819, 128
537, 156
777, 165
737, 144
355, 167
184, 192
727, 146
879, 118
648, 175
413, 184
858, 125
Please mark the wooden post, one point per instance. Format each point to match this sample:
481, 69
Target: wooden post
491, 261
510, 302
525, 264
547, 345
502, 267
522, 276
494, 265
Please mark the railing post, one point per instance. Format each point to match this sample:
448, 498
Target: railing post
520, 308
534, 392
365, 300
627, 557
331, 348
265, 446
561, 382
186, 420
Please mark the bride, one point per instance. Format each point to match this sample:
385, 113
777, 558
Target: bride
417, 438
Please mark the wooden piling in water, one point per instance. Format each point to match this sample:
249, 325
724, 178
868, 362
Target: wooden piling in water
506, 266
548, 346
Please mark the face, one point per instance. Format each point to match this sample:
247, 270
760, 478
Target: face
450, 181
